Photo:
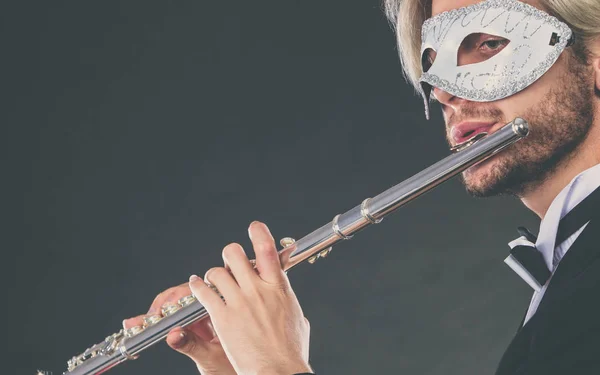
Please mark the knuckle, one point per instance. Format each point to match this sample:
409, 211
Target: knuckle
190, 347
307, 322
265, 247
252, 290
172, 294
162, 295
180, 291
160, 299
167, 291
282, 285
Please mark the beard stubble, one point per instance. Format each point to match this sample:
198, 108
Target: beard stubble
559, 123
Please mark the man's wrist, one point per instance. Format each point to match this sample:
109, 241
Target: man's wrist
289, 369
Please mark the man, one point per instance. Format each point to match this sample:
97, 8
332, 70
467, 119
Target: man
486, 64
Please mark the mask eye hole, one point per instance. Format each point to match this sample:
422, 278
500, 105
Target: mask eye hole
479, 47
427, 59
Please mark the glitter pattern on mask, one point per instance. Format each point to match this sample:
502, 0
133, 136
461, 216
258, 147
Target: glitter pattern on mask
492, 80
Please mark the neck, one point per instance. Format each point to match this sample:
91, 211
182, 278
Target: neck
584, 157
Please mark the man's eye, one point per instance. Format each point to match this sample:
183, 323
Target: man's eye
478, 47
493, 44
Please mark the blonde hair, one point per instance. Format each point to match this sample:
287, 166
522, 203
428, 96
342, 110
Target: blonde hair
407, 16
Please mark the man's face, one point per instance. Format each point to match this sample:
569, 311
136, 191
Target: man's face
558, 108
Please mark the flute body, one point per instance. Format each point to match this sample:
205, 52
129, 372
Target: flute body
128, 344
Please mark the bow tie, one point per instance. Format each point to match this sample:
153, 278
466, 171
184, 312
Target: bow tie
529, 263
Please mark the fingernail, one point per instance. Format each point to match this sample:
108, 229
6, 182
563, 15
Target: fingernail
194, 278
250, 229
123, 322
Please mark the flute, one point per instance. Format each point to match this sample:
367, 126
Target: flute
128, 344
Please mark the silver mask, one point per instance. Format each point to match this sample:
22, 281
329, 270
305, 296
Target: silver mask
533, 41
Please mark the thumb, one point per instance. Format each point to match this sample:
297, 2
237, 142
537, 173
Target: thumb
189, 344
209, 356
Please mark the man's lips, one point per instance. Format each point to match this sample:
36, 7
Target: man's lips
464, 131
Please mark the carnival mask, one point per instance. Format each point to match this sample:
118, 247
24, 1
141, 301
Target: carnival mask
508, 45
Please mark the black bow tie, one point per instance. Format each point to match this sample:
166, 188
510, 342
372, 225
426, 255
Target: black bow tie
529, 263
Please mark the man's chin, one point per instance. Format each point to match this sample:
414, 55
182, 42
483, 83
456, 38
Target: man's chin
483, 179
480, 170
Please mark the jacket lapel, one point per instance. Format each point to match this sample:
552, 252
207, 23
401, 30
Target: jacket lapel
581, 254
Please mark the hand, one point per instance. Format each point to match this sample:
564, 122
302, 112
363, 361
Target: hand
261, 325
197, 341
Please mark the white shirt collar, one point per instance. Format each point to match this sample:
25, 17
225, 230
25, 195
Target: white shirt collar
577, 190
570, 196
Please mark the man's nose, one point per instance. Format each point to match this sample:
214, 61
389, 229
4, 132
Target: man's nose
448, 100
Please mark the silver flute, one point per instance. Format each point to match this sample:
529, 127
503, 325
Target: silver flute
129, 343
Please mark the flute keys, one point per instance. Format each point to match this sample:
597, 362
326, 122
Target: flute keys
72, 363
170, 309
287, 241
321, 254
132, 331
115, 336
187, 300
152, 319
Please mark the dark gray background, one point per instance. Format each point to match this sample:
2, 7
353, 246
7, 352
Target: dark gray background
142, 137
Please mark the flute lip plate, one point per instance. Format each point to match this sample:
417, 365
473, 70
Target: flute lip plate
468, 142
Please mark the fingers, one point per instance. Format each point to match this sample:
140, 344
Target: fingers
205, 295
236, 260
133, 322
222, 279
202, 328
186, 342
267, 258
206, 354
169, 297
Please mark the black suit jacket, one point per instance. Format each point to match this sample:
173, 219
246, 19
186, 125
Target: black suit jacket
563, 337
